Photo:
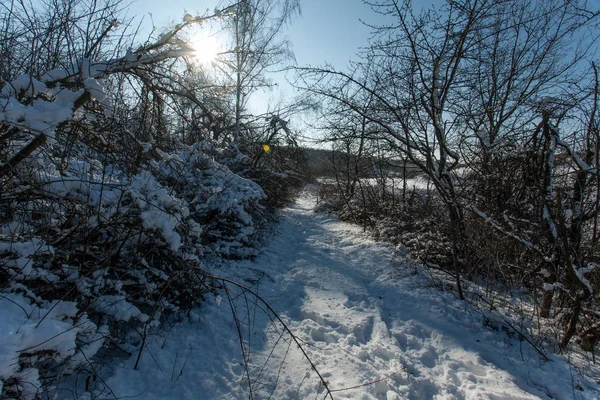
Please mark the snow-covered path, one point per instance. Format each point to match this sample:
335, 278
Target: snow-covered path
368, 320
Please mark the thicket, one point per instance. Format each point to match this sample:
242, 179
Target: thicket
124, 168
495, 103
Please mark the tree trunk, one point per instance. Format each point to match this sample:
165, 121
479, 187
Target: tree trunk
547, 304
458, 245
572, 325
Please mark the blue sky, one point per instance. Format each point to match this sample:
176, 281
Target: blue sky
327, 31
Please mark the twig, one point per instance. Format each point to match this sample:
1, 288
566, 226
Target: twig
241, 340
281, 368
369, 383
521, 334
174, 364
16, 304
144, 335
287, 329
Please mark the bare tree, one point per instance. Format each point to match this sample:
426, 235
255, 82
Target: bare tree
256, 46
418, 61
455, 87
66, 62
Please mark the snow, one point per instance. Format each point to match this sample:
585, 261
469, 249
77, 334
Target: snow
23, 85
153, 199
41, 115
95, 88
31, 331
548, 286
394, 183
26, 249
55, 75
119, 308
371, 322
580, 273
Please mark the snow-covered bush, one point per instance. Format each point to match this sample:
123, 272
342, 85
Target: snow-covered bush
271, 157
125, 250
417, 224
105, 229
226, 206
40, 338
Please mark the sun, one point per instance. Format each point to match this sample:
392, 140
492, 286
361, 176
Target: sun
206, 48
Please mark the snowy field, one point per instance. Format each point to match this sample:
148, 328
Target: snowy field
420, 182
372, 325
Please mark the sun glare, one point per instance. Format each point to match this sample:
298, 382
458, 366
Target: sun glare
206, 48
